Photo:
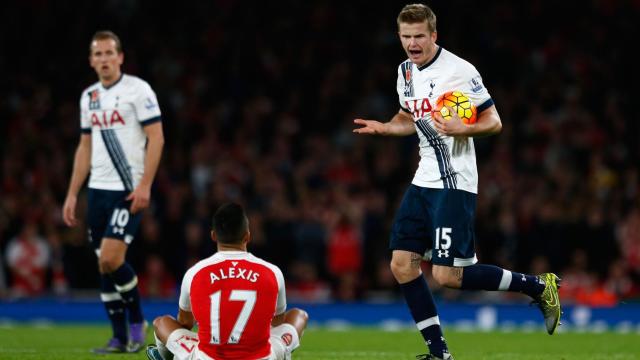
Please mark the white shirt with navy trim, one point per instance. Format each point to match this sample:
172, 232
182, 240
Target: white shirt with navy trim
115, 117
446, 162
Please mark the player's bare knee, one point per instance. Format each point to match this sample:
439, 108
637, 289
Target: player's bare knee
403, 271
441, 278
303, 315
447, 276
109, 264
298, 313
157, 322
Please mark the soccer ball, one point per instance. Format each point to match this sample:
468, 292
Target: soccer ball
460, 103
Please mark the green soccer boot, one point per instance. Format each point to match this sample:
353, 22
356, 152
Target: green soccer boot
549, 301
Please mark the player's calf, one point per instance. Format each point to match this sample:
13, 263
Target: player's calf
493, 278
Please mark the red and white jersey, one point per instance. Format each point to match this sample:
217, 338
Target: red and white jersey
233, 296
446, 162
115, 117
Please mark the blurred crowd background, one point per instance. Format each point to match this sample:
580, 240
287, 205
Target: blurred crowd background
258, 100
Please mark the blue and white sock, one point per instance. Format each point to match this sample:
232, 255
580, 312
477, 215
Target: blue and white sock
490, 277
528, 284
115, 308
126, 283
423, 309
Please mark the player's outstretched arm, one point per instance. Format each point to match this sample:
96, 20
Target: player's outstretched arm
81, 167
141, 195
488, 123
400, 125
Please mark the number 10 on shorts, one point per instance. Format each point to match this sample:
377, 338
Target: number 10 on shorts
119, 220
443, 238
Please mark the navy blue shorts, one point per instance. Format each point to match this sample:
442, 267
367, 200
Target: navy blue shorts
437, 223
108, 216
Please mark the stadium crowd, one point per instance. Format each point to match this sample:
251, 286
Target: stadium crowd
258, 106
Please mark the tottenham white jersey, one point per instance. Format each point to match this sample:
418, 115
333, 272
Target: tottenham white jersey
445, 162
115, 117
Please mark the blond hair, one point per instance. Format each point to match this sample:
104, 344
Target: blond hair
106, 35
417, 13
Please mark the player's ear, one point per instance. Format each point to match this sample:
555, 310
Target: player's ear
214, 237
247, 237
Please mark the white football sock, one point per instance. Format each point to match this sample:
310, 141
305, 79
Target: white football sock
166, 354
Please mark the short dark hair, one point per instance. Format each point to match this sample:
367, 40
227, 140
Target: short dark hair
105, 35
230, 223
417, 13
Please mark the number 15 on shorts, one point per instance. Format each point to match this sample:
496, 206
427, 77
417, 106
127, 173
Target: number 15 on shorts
443, 242
443, 238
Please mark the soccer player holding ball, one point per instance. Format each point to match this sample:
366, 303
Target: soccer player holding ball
435, 220
121, 143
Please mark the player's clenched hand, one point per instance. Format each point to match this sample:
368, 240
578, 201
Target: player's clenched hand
372, 127
140, 198
451, 127
69, 210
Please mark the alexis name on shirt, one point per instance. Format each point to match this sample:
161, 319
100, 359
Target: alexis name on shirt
233, 273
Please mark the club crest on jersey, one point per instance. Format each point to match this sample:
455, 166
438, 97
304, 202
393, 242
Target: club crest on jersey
476, 84
94, 100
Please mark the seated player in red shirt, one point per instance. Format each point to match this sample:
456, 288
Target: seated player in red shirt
237, 300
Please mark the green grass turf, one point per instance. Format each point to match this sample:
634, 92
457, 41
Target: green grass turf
74, 342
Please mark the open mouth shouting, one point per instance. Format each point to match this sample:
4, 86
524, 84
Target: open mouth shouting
415, 54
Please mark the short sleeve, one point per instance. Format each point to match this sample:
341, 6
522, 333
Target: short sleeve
474, 88
400, 87
281, 302
85, 122
146, 105
185, 292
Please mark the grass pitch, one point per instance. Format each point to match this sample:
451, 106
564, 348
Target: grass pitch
74, 342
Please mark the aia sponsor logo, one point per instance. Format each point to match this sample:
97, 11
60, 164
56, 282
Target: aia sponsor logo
420, 108
287, 339
106, 119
